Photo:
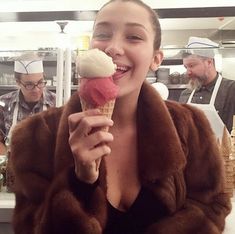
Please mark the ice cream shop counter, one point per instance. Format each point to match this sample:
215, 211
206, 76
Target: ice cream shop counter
230, 220
7, 204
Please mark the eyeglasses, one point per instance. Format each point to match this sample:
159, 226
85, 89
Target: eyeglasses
31, 86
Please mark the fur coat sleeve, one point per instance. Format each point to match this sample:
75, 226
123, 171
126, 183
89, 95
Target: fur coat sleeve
49, 198
178, 160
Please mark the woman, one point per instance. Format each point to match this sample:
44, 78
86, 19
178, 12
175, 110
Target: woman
161, 171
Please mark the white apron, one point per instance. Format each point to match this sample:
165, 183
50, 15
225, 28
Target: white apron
210, 111
14, 122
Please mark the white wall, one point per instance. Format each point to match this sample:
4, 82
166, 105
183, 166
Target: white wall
56, 5
228, 68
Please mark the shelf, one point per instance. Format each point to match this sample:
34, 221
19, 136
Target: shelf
8, 87
7, 200
14, 87
176, 86
75, 87
167, 62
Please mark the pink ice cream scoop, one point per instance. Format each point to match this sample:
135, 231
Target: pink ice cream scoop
98, 91
96, 84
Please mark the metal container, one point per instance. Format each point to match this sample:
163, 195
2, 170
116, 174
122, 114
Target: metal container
163, 75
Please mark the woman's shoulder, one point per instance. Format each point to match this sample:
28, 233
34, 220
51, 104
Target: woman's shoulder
192, 125
48, 119
181, 108
39, 130
186, 114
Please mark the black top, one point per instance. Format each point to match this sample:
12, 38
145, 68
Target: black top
145, 210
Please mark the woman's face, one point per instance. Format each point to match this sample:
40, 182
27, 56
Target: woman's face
123, 30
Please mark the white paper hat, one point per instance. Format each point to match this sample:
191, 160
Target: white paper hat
202, 47
28, 67
28, 63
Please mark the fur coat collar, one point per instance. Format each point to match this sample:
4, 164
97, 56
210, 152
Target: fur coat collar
159, 147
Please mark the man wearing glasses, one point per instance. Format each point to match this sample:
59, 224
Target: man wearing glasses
30, 98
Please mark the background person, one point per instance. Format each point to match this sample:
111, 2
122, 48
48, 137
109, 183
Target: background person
31, 96
206, 86
146, 182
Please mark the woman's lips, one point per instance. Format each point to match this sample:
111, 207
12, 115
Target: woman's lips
120, 71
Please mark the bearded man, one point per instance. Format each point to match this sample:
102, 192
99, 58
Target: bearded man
206, 88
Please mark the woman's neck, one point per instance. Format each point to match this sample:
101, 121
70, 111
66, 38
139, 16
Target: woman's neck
124, 112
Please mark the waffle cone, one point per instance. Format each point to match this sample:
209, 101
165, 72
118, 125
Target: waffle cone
225, 145
106, 109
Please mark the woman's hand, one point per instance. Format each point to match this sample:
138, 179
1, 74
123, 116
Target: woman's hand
88, 142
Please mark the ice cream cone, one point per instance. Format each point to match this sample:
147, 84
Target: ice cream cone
97, 88
225, 145
106, 109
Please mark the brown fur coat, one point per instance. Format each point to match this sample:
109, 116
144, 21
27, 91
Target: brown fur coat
178, 160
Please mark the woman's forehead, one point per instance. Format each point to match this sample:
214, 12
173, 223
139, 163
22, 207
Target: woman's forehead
123, 12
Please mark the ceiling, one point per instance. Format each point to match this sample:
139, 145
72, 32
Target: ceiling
35, 20
67, 5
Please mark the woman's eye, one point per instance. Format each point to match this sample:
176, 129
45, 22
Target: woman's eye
134, 37
102, 36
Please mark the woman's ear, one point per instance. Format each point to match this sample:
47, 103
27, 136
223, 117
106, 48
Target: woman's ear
157, 60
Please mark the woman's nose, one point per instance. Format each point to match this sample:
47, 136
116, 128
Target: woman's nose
114, 48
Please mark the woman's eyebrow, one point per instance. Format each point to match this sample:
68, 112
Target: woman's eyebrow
136, 25
129, 24
102, 23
